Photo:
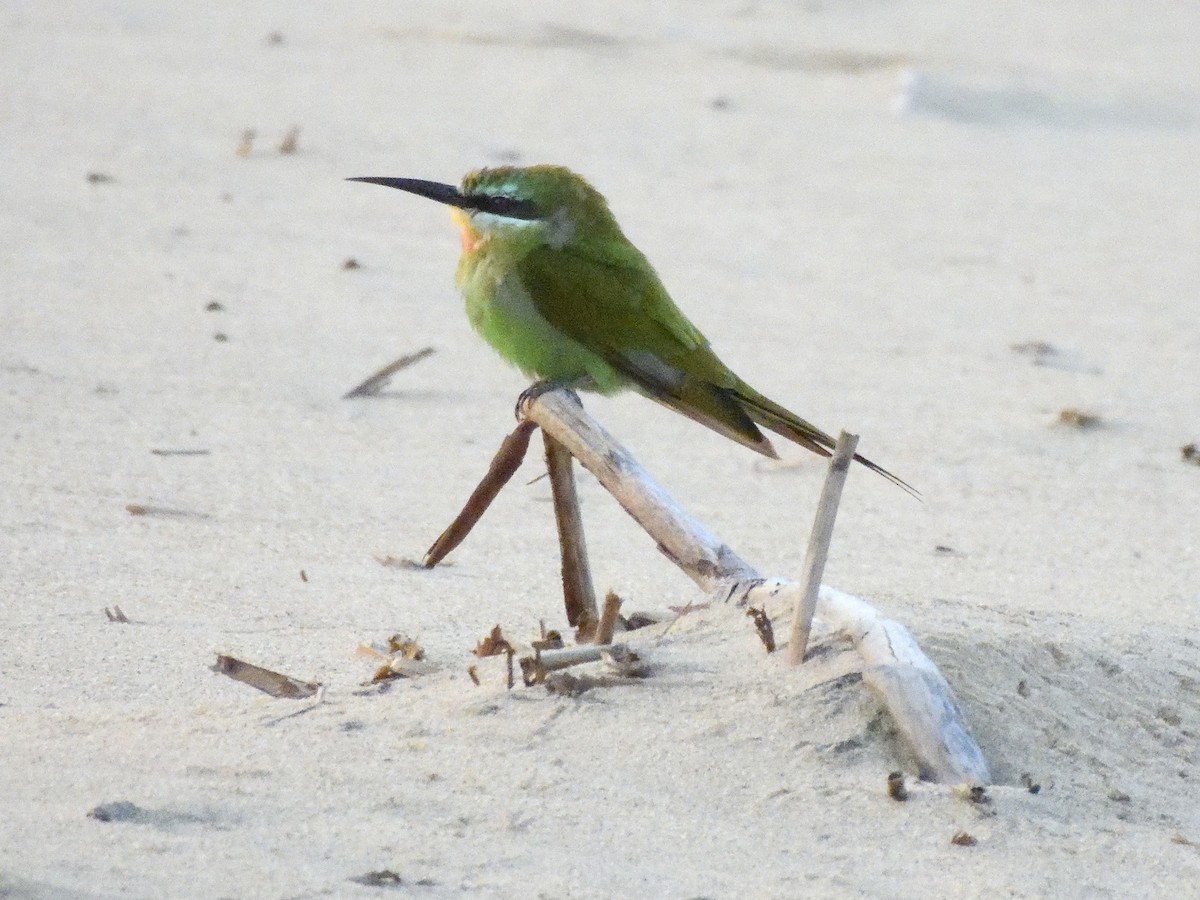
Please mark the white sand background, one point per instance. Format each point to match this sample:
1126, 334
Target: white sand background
868, 259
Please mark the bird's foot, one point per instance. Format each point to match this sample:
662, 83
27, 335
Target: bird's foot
538, 388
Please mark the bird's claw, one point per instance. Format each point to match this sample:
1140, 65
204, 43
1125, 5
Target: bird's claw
538, 388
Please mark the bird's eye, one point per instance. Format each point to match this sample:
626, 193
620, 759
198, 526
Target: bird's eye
510, 207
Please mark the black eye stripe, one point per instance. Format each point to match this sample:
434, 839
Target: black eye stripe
511, 207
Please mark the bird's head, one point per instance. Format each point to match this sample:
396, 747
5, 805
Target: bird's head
548, 205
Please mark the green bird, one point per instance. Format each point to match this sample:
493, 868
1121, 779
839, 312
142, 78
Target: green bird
552, 283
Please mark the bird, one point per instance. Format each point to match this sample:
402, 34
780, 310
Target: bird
552, 283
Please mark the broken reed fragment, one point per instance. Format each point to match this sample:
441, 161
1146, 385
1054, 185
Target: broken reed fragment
762, 624
1077, 418
265, 680
291, 141
379, 380
896, 788
608, 618
493, 645
619, 661
166, 512
401, 657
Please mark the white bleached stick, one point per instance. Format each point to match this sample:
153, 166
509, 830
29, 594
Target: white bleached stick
906, 681
818, 546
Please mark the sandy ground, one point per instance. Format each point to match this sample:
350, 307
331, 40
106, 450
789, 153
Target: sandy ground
865, 206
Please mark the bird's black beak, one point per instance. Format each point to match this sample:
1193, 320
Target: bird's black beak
434, 190
509, 207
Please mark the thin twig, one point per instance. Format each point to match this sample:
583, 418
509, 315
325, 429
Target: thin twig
379, 380
818, 546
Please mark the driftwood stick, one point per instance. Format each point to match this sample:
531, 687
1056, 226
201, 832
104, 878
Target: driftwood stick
818, 546
578, 594
707, 561
907, 682
911, 688
504, 465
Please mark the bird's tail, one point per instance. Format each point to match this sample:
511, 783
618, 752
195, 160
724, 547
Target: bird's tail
785, 423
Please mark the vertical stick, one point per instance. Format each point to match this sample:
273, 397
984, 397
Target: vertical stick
608, 618
578, 595
818, 547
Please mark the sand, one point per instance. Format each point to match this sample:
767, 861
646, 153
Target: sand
866, 207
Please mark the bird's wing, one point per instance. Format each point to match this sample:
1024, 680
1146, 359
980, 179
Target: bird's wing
612, 301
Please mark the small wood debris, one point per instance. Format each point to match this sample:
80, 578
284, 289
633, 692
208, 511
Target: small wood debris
99, 178
963, 839
1039, 351
115, 614
214, 306
140, 509
1077, 418
381, 878
273, 683
896, 788
1190, 453
118, 811
290, 141
494, 645
304, 576
351, 264
161, 452
402, 562
474, 675
688, 608
402, 657
1118, 796
608, 618
550, 640
380, 379
221, 337
762, 624
246, 144
1023, 688
1027, 782
1178, 838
